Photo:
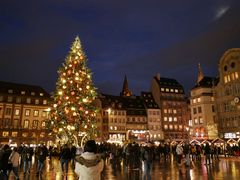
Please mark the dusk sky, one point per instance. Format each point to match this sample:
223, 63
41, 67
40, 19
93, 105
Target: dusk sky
139, 38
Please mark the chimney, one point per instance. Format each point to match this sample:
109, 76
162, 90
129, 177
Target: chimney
158, 76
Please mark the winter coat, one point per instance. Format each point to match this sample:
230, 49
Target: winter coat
89, 166
14, 158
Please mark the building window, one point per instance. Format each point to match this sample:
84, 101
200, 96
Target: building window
44, 101
9, 99
43, 125
33, 93
194, 101
165, 126
236, 75
18, 100
176, 90
162, 89
14, 134
41, 94
35, 113
175, 119
23, 92
15, 123
36, 101
175, 127
195, 121
1, 98
171, 126
170, 119
10, 91
213, 108
5, 134
199, 109
26, 124
194, 111
198, 100
8, 111
35, 124
17, 112
200, 120
165, 111
27, 112
28, 100
165, 118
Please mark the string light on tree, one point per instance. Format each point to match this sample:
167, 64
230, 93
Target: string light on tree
73, 106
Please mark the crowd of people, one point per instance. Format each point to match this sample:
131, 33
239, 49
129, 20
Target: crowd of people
89, 161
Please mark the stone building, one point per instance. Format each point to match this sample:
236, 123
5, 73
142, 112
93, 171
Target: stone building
227, 94
23, 109
203, 114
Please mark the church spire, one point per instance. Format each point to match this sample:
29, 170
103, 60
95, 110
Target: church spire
200, 73
125, 90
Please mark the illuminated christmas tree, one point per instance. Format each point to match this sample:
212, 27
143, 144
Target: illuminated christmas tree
73, 110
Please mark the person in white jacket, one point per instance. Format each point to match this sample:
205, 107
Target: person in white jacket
14, 158
89, 165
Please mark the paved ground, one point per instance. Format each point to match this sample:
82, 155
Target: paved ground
226, 168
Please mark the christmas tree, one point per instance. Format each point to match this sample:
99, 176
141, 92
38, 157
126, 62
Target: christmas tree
73, 112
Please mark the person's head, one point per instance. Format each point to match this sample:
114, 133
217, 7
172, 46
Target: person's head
90, 146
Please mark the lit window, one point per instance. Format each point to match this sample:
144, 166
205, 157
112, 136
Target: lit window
27, 112
28, 100
111, 128
174, 111
165, 126
43, 124
175, 119
170, 119
10, 91
200, 120
162, 89
233, 76
44, 114
170, 126
225, 79
26, 124
14, 134
176, 90
165, 111
180, 126
228, 77
23, 92
165, 118
5, 134
171, 90
36, 101
35, 124
169, 110
35, 113
195, 121
33, 93
17, 112
198, 99
41, 94
167, 90
44, 101
175, 126
194, 101
236, 75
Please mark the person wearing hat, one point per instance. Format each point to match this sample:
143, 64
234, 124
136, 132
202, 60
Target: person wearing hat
89, 164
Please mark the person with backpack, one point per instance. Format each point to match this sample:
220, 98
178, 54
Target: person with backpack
147, 157
14, 158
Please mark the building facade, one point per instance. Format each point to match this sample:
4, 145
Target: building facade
227, 94
202, 104
175, 115
23, 110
